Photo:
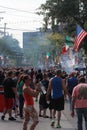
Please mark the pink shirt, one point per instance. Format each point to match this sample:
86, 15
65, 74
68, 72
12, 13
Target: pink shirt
80, 95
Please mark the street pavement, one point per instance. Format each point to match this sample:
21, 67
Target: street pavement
67, 122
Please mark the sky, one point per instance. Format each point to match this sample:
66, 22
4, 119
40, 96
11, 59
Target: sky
19, 16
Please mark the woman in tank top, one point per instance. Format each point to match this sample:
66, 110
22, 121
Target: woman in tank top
29, 110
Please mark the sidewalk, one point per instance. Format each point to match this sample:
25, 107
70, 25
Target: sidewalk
67, 122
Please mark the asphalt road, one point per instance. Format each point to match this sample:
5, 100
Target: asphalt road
67, 122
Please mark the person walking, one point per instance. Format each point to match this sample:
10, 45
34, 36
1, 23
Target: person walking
57, 89
10, 93
79, 102
29, 110
71, 82
39, 77
42, 98
20, 95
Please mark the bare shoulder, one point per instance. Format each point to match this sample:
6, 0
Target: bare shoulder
25, 89
63, 80
51, 80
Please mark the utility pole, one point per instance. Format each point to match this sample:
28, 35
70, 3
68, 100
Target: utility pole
2, 17
5, 29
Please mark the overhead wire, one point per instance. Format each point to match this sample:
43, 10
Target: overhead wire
17, 9
16, 29
18, 16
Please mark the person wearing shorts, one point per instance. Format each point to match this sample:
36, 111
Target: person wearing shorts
57, 89
9, 103
29, 110
10, 93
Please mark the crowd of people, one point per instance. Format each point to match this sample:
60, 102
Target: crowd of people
50, 88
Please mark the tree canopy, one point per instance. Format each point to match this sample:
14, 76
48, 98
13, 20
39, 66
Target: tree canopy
68, 13
57, 11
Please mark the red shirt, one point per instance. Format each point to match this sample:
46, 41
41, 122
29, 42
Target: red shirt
28, 99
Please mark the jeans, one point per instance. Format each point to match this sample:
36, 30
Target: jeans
21, 103
70, 101
81, 112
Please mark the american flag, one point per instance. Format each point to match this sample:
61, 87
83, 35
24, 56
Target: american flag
80, 35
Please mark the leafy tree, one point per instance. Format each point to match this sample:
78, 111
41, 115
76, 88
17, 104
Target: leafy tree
65, 12
10, 47
57, 41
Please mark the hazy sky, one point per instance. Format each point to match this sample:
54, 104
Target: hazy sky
17, 20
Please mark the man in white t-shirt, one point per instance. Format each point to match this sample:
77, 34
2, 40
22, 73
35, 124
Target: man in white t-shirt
79, 102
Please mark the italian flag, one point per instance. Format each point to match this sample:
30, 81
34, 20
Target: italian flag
47, 55
65, 49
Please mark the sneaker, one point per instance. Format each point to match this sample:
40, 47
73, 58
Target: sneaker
58, 126
45, 116
52, 123
36, 100
12, 119
2, 117
40, 115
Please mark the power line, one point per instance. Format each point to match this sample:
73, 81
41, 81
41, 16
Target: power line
2, 11
16, 29
23, 22
17, 9
16, 15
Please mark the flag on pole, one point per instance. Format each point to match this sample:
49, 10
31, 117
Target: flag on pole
80, 35
69, 41
64, 49
47, 55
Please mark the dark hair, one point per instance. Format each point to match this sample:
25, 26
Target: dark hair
9, 73
39, 71
20, 78
81, 80
17, 73
26, 77
58, 72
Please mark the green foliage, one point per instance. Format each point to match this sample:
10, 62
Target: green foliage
70, 12
9, 47
64, 11
57, 39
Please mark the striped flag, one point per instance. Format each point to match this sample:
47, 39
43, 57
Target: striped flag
80, 35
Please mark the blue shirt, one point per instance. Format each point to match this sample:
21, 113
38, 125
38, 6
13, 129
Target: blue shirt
56, 91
